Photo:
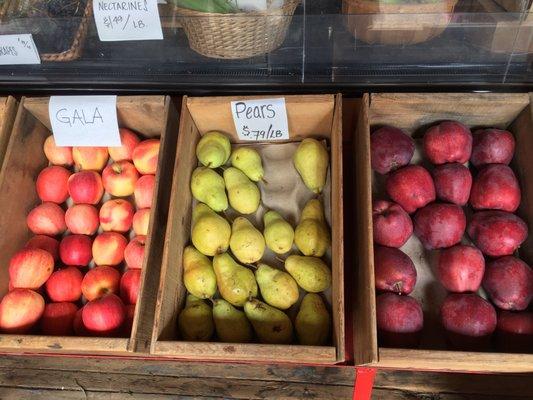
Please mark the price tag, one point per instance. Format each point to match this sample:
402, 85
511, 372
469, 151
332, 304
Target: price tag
18, 50
264, 119
84, 120
127, 20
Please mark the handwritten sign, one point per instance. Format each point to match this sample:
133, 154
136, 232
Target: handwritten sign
84, 120
127, 20
18, 50
264, 119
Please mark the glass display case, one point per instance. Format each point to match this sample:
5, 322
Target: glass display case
361, 42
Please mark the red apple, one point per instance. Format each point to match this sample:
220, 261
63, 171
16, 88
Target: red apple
453, 183
411, 187
76, 250
141, 221
492, 146
64, 285
391, 148
130, 284
51, 184
108, 248
495, 187
30, 268
469, 320
116, 215
461, 268
509, 283
104, 316
47, 219
497, 233
129, 141
515, 331
57, 155
144, 191
20, 310
90, 158
77, 324
448, 142
146, 155
44, 242
119, 178
134, 252
392, 226
440, 225
394, 271
99, 281
128, 322
58, 319
399, 320
82, 219
86, 187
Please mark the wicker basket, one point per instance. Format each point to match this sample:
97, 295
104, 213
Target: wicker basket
396, 24
239, 35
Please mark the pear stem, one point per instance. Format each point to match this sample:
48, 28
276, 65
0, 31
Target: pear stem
264, 181
280, 259
253, 266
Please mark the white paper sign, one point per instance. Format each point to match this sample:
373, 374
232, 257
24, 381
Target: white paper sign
127, 20
18, 50
264, 119
84, 120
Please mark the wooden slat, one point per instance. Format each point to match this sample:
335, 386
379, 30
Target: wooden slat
8, 113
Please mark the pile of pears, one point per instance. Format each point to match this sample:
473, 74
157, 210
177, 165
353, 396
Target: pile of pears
232, 294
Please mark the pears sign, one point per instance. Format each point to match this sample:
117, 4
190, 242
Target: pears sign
260, 120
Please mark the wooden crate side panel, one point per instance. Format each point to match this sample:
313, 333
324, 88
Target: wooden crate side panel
8, 113
144, 312
365, 333
62, 344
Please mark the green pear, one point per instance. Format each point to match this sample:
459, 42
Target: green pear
244, 195
313, 322
311, 273
278, 233
311, 160
278, 288
231, 324
271, 325
213, 149
312, 234
208, 187
195, 321
210, 232
248, 161
236, 283
198, 274
247, 243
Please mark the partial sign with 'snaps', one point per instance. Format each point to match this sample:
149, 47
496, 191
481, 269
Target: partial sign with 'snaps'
84, 120
261, 120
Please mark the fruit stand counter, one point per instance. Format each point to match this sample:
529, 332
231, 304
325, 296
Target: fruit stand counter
43, 378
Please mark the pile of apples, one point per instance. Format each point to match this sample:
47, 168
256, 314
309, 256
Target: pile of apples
233, 293
67, 279
437, 200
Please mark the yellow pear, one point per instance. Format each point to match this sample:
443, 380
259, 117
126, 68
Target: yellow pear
311, 161
231, 324
198, 275
278, 233
248, 161
247, 243
244, 195
312, 234
311, 273
213, 149
278, 288
195, 321
271, 325
236, 283
208, 187
210, 232
312, 321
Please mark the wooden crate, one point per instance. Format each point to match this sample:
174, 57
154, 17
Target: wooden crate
308, 116
414, 113
150, 116
8, 111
